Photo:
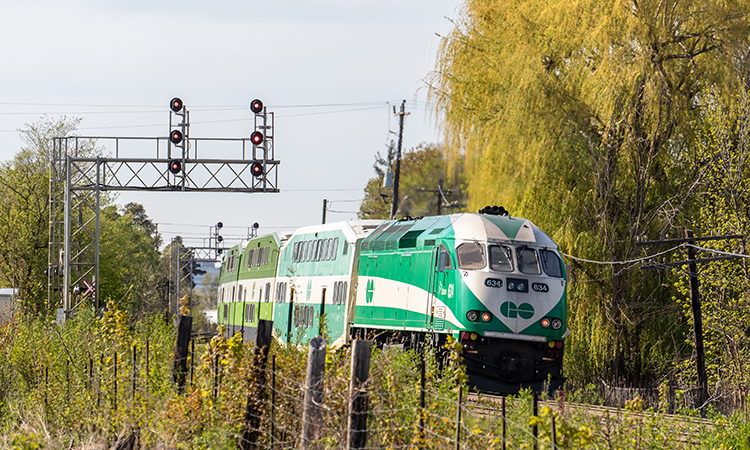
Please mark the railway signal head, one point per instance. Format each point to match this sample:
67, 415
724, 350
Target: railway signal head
175, 166
176, 136
176, 104
257, 169
256, 106
256, 138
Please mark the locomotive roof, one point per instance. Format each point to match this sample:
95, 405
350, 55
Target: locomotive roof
465, 226
487, 227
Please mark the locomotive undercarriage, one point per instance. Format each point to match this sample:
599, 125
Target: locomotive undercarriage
504, 366
497, 366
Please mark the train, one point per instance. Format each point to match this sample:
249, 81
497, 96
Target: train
495, 283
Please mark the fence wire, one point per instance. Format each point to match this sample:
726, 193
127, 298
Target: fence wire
98, 384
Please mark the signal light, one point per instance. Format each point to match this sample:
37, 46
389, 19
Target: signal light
545, 323
257, 169
556, 324
472, 316
256, 106
486, 317
176, 104
176, 137
219, 225
219, 239
256, 138
175, 166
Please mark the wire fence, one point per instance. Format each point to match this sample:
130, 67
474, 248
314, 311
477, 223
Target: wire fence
110, 384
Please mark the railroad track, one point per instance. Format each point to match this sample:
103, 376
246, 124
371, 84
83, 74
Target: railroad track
687, 429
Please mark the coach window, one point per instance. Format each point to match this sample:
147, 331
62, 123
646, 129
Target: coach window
470, 256
551, 263
324, 250
268, 292
335, 248
527, 261
501, 258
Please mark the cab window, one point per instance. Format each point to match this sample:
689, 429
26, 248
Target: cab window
551, 263
470, 256
501, 258
527, 261
445, 259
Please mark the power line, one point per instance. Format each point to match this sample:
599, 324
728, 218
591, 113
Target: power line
623, 262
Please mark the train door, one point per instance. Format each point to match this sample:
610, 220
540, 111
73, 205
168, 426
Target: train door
405, 269
322, 310
436, 312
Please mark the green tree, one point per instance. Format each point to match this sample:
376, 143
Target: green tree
129, 258
723, 151
24, 210
424, 175
581, 117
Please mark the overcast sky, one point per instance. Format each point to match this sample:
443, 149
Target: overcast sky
116, 64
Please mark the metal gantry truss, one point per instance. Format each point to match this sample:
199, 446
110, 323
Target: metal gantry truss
183, 262
79, 179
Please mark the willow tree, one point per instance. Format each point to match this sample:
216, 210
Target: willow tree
580, 116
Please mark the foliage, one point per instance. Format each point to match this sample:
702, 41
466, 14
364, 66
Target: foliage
581, 116
24, 210
423, 170
129, 255
723, 153
97, 380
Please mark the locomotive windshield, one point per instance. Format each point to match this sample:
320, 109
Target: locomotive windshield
501, 258
551, 263
470, 256
527, 261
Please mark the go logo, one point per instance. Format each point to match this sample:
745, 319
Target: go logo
370, 291
512, 311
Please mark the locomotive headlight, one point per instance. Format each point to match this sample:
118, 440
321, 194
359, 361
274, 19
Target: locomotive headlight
511, 286
556, 324
545, 322
472, 316
486, 317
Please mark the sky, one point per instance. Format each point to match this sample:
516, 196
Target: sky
330, 71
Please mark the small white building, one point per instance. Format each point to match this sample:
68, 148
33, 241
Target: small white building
7, 304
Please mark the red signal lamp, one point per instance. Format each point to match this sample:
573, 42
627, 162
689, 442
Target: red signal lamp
256, 106
176, 136
256, 138
486, 317
176, 104
175, 166
545, 323
256, 169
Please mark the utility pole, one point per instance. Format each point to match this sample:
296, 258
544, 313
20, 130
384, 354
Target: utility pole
325, 208
440, 197
695, 301
397, 176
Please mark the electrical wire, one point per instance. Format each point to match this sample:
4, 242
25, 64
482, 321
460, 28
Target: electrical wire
738, 255
645, 258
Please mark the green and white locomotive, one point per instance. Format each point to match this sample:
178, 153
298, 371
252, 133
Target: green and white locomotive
494, 282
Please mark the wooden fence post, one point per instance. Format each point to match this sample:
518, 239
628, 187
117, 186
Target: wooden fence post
535, 429
360, 372
179, 369
311, 409
135, 368
422, 388
254, 405
504, 426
